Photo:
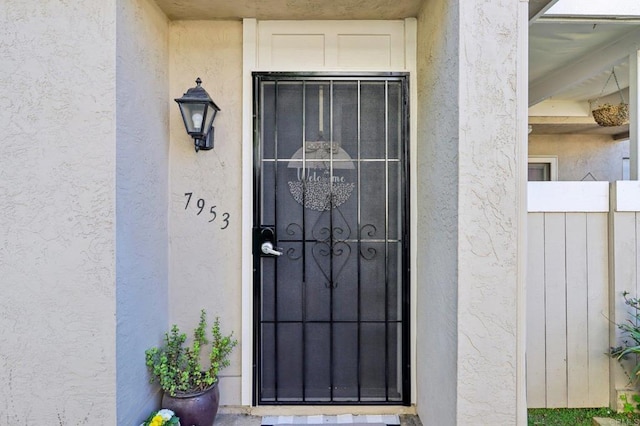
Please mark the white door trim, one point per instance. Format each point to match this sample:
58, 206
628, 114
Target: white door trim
404, 61
249, 63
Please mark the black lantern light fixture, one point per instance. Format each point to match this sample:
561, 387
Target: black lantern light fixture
198, 112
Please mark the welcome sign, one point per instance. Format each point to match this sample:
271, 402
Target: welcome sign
324, 175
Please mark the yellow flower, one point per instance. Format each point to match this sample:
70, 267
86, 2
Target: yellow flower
157, 420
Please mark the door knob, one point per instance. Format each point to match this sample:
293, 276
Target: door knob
267, 248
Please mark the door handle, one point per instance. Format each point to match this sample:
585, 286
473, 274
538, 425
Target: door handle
267, 248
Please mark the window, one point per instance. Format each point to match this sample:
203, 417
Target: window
543, 167
626, 168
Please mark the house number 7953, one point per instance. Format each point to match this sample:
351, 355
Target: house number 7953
201, 206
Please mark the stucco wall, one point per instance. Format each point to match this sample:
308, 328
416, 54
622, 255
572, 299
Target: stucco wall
142, 158
489, 178
579, 155
437, 236
468, 194
57, 212
205, 260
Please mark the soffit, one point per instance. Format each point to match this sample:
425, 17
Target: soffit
573, 125
304, 9
571, 58
289, 9
554, 46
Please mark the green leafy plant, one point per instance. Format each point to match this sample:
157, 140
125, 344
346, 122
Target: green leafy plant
630, 407
577, 416
631, 336
177, 367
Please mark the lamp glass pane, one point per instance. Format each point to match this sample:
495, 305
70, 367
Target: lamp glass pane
193, 115
210, 115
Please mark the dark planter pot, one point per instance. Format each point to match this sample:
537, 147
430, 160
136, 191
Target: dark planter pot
197, 409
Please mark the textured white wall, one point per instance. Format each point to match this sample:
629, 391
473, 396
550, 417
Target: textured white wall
468, 195
437, 236
142, 158
57, 212
579, 155
489, 183
205, 260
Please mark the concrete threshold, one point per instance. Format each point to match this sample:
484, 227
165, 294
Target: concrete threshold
307, 410
243, 418
603, 421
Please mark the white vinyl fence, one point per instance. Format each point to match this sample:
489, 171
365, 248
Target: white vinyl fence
568, 295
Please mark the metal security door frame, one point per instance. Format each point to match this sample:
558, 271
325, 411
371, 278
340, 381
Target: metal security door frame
403, 78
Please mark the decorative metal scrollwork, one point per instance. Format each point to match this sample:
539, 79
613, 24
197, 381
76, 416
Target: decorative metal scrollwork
290, 254
340, 229
331, 243
370, 253
330, 250
290, 230
371, 230
338, 256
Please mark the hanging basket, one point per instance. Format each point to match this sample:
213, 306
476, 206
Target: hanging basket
609, 115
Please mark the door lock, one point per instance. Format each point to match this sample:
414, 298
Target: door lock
265, 241
267, 248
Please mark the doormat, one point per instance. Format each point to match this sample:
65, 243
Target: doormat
340, 419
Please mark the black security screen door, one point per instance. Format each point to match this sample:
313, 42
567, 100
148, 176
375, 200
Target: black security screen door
331, 239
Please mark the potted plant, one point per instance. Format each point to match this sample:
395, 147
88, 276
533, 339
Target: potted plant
190, 390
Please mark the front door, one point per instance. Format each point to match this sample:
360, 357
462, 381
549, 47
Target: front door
331, 239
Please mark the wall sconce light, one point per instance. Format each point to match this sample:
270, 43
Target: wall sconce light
198, 112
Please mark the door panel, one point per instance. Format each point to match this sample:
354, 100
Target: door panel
331, 181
